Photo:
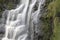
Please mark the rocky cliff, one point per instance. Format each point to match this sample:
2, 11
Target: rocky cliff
50, 19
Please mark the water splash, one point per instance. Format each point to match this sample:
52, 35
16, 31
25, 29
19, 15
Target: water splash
20, 21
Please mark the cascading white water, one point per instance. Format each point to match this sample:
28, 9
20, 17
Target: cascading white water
20, 21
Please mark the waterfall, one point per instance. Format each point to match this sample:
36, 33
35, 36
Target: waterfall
22, 22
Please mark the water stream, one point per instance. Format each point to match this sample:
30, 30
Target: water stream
23, 21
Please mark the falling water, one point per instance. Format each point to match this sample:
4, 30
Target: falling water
21, 21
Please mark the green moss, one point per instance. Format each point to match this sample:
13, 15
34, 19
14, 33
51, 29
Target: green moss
54, 12
47, 28
57, 28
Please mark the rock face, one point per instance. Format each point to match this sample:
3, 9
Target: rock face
2, 23
11, 4
5, 4
8, 4
50, 25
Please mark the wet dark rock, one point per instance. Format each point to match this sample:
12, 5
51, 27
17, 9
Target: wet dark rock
8, 4
2, 23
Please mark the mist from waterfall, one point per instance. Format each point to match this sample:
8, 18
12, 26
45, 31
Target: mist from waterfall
22, 22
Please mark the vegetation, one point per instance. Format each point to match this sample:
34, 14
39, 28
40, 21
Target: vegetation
51, 18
